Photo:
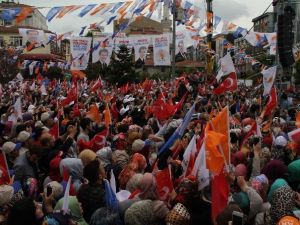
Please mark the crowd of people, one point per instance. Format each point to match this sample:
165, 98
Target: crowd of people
89, 153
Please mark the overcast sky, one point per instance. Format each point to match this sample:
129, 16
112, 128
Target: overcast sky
240, 12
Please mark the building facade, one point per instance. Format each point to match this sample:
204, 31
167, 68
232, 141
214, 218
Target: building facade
264, 23
9, 34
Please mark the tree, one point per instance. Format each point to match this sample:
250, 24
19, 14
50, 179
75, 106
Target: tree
54, 73
121, 69
8, 65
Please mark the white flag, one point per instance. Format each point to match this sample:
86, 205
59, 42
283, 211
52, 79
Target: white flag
226, 66
31, 67
32, 87
200, 170
112, 182
269, 76
43, 90
65, 206
18, 107
190, 149
19, 77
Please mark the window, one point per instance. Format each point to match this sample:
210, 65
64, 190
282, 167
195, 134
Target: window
15, 40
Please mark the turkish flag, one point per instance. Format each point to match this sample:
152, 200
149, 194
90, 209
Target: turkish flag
229, 84
4, 171
219, 194
96, 86
164, 183
272, 102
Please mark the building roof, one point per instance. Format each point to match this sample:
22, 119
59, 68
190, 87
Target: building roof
262, 16
15, 29
6, 4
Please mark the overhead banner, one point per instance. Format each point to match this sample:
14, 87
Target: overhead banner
102, 50
141, 45
272, 39
181, 48
32, 36
257, 39
161, 50
80, 47
128, 42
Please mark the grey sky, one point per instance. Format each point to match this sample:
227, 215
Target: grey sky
240, 12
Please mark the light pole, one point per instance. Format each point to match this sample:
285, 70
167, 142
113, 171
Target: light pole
173, 38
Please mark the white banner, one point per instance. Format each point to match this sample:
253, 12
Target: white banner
128, 42
102, 50
141, 45
80, 47
181, 46
35, 37
257, 39
161, 50
272, 39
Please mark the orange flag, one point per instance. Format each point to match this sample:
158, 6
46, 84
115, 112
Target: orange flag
107, 116
24, 13
214, 159
298, 119
67, 9
221, 125
99, 8
217, 133
124, 7
94, 114
78, 74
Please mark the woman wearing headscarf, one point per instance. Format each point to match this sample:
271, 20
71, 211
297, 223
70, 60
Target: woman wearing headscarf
275, 169
105, 157
75, 209
282, 204
74, 168
147, 190
137, 164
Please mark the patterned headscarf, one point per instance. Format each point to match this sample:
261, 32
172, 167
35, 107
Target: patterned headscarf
283, 202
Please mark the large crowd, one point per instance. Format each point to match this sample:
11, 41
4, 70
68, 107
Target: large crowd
89, 153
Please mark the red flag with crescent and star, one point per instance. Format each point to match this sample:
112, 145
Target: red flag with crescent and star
272, 102
228, 84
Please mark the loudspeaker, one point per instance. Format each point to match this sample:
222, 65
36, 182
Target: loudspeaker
285, 38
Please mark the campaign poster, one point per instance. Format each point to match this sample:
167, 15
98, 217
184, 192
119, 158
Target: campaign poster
141, 45
32, 36
102, 50
128, 42
161, 50
181, 46
80, 52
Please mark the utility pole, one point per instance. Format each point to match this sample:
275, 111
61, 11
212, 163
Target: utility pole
173, 38
209, 27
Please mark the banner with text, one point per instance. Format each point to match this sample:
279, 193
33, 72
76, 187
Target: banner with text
141, 45
102, 47
128, 42
181, 46
161, 50
80, 47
